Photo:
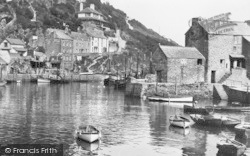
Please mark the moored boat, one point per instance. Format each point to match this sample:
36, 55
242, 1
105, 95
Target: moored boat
179, 121
170, 99
87, 145
228, 147
195, 110
88, 133
208, 120
228, 108
43, 80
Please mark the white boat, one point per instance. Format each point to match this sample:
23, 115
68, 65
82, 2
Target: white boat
88, 133
42, 80
179, 121
87, 146
18, 81
179, 99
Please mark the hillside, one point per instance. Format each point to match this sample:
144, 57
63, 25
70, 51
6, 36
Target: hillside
140, 41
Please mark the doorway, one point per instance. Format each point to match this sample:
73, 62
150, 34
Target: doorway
159, 75
213, 75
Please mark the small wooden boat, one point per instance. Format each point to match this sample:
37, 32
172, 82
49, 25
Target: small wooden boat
179, 121
196, 110
228, 147
178, 99
43, 80
109, 81
87, 146
2, 83
88, 133
208, 120
230, 122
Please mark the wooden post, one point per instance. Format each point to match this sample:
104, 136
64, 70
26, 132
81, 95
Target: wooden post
175, 86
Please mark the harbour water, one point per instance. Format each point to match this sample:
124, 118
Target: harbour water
33, 113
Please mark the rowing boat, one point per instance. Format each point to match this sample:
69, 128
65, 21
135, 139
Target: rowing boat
179, 121
88, 133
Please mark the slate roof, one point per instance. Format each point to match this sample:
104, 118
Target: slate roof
60, 34
15, 41
181, 52
95, 33
77, 35
89, 10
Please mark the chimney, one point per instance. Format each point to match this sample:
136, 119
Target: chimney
92, 6
66, 29
195, 21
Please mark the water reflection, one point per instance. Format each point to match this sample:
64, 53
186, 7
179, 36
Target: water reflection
49, 113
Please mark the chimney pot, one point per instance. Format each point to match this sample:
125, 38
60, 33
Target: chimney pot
92, 6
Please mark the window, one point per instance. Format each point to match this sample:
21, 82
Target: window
222, 61
199, 62
237, 39
234, 48
5, 44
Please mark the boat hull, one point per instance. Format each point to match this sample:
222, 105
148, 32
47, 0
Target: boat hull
235, 148
206, 120
182, 99
89, 137
182, 123
194, 110
43, 81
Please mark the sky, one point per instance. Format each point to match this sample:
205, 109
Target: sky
170, 18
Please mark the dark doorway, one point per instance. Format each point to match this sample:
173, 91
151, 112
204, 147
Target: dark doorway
213, 74
159, 75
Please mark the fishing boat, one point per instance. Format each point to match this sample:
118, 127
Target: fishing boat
179, 121
230, 122
178, 99
88, 133
196, 110
229, 147
208, 120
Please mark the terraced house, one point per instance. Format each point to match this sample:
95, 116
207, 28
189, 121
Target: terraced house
225, 45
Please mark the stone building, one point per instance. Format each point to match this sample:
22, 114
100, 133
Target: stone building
90, 16
225, 45
184, 65
81, 44
58, 43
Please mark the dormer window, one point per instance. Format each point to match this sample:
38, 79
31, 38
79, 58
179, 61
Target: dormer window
5, 44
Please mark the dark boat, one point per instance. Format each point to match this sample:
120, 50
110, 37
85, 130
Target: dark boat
228, 108
228, 147
207, 120
195, 110
109, 81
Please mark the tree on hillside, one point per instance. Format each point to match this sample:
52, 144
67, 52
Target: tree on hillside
6, 27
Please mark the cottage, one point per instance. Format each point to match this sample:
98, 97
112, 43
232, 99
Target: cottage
12, 49
183, 65
225, 45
